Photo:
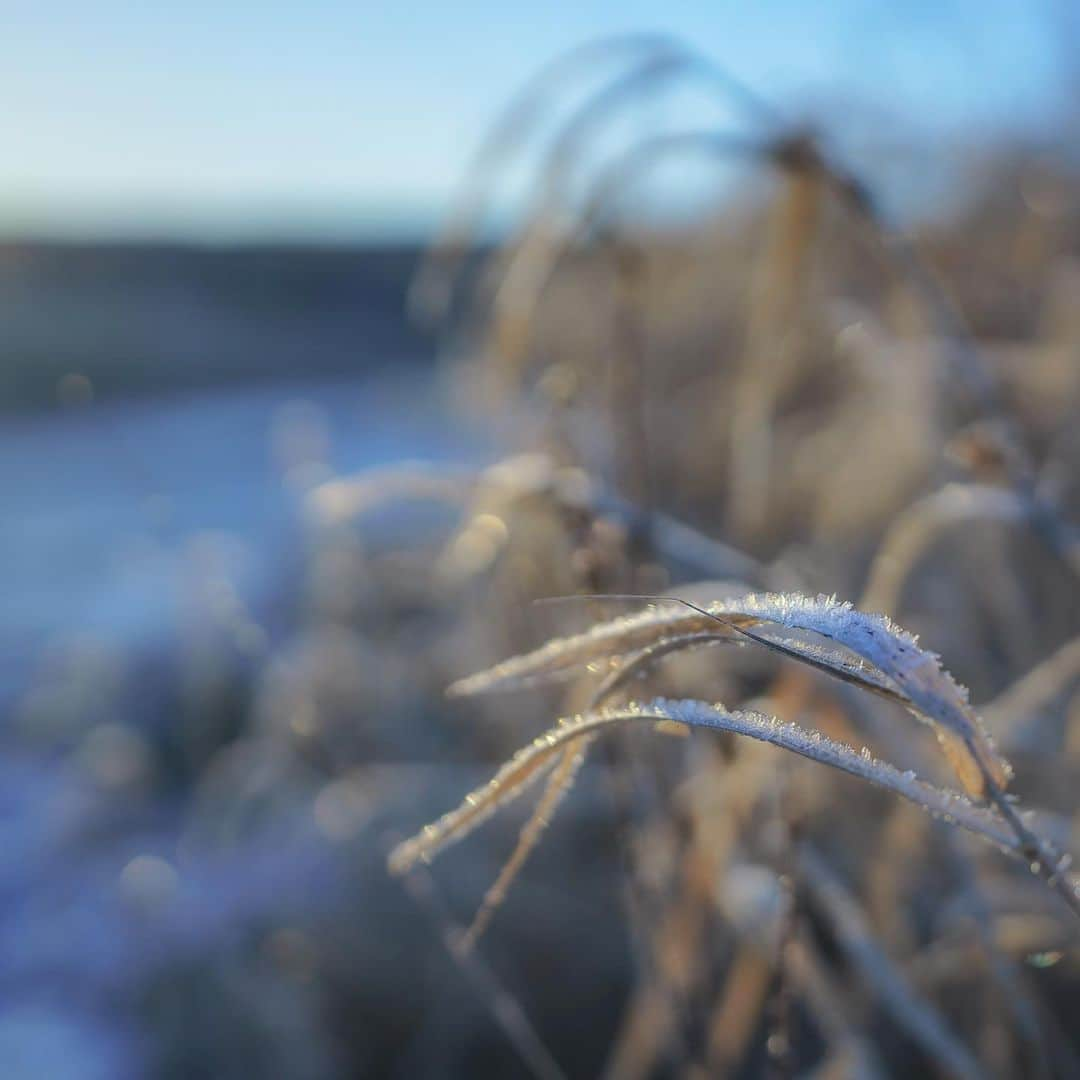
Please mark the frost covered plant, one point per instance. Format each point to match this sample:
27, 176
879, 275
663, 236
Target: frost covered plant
869, 651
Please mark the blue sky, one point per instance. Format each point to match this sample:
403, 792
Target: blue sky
322, 119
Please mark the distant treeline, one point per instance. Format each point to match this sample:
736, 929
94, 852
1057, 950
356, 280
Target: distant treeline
151, 318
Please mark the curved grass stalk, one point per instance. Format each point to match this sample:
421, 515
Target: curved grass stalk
601, 643
891, 663
1005, 827
921, 523
530, 760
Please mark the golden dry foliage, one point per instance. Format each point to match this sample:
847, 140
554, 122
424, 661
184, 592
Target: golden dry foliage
786, 394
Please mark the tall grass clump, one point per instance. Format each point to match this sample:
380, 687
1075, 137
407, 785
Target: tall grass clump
730, 424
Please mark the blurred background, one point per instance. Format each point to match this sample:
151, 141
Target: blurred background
266, 491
